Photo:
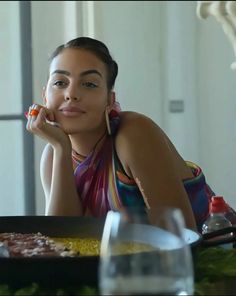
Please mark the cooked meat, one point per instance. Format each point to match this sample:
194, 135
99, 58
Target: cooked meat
33, 244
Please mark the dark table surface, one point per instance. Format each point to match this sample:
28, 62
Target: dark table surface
215, 273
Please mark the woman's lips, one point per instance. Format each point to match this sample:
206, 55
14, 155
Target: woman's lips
71, 111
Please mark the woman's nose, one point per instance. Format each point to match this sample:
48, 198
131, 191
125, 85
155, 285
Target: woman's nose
71, 98
72, 94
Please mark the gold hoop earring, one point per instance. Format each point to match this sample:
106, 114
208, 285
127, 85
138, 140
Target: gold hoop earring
108, 122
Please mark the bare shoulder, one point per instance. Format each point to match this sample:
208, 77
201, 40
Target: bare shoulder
138, 135
127, 116
137, 127
140, 138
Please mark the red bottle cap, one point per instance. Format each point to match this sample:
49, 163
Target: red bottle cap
218, 204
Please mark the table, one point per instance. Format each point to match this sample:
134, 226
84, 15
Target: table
215, 273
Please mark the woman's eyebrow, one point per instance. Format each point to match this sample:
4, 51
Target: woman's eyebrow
64, 72
84, 73
91, 71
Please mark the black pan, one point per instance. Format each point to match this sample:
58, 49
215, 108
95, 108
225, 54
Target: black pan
57, 271
51, 271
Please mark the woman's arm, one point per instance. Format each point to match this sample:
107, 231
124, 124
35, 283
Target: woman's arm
147, 157
56, 166
58, 182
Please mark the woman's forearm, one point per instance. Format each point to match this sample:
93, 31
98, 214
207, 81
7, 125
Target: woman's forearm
63, 199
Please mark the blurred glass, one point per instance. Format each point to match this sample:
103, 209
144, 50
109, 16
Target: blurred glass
138, 258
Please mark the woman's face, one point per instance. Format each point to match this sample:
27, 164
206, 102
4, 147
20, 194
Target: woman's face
77, 91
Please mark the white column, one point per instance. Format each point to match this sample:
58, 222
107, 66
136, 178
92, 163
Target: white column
179, 76
88, 18
70, 19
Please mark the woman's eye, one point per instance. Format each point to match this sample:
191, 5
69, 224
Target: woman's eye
59, 83
89, 84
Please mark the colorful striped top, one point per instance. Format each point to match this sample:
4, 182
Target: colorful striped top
103, 185
198, 191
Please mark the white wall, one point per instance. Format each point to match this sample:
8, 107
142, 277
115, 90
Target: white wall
164, 53
11, 148
10, 62
217, 99
179, 77
131, 30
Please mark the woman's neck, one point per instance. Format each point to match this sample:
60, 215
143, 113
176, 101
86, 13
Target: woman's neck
84, 143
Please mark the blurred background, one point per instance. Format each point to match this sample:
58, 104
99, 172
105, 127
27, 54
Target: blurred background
173, 68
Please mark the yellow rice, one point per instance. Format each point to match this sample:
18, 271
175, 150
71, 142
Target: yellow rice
82, 246
91, 246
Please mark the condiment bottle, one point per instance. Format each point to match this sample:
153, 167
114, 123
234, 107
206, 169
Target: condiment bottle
217, 219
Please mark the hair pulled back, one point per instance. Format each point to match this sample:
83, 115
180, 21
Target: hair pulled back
99, 49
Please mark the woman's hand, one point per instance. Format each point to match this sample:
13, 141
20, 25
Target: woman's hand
41, 122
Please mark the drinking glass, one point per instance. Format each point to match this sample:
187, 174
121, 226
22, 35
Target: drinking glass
143, 258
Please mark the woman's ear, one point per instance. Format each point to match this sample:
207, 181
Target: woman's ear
44, 95
111, 100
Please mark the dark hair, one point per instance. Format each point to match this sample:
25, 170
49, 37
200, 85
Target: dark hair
96, 47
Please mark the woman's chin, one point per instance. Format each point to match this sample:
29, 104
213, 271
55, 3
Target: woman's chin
71, 130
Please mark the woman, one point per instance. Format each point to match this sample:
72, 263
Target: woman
99, 158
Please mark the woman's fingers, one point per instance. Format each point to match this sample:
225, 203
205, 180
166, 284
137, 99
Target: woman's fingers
39, 124
46, 115
49, 114
41, 121
36, 117
33, 113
